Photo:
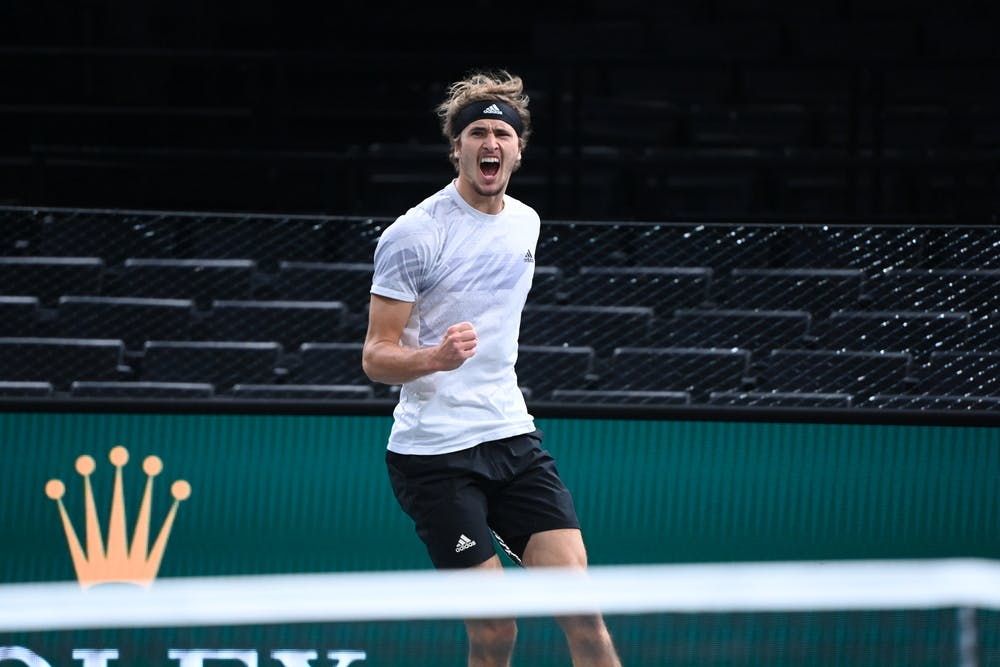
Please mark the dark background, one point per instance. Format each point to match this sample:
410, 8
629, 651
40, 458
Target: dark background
718, 109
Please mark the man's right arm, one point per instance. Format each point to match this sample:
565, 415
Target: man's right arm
385, 360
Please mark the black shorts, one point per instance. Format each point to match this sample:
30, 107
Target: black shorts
460, 502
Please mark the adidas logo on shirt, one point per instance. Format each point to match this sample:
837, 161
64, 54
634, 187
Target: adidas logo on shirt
493, 109
528, 257
464, 543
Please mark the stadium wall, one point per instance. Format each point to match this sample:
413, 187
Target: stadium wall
305, 491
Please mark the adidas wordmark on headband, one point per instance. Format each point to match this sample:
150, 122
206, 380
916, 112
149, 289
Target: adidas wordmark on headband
489, 109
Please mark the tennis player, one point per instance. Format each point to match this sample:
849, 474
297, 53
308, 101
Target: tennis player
464, 457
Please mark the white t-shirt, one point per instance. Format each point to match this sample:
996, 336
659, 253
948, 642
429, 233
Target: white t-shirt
457, 264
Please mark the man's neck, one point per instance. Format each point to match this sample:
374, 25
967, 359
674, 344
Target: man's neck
488, 204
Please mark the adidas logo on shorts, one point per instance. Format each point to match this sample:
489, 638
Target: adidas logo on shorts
464, 543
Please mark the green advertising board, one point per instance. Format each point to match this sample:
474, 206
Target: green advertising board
238, 494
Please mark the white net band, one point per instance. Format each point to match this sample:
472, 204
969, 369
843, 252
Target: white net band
236, 600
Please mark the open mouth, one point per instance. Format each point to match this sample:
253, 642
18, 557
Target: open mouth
489, 166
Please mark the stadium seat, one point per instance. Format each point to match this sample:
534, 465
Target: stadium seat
918, 332
201, 280
90, 389
543, 368
662, 289
221, 364
975, 291
984, 333
697, 371
818, 291
734, 38
862, 40
958, 373
304, 391
796, 83
931, 402
49, 278
759, 126
19, 316
547, 285
111, 237
797, 399
757, 331
289, 323
25, 389
598, 396
600, 327
349, 283
575, 244
266, 240
60, 361
670, 192
329, 363
132, 320
859, 374
716, 248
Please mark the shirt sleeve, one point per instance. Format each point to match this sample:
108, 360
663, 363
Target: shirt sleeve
402, 257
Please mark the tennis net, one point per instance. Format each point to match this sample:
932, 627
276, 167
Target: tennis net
915, 612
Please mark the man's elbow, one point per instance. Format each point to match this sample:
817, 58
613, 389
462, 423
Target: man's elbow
368, 365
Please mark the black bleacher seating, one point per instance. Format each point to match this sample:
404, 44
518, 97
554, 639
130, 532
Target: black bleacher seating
600, 327
133, 320
547, 285
861, 248
758, 331
289, 323
221, 364
668, 192
60, 361
598, 396
694, 370
113, 238
201, 280
795, 399
735, 38
797, 83
612, 123
764, 126
139, 389
818, 291
820, 192
714, 248
931, 402
329, 363
660, 288
859, 374
25, 389
48, 278
919, 332
267, 241
19, 316
570, 245
984, 333
348, 282
304, 391
961, 373
974, 291
543, 368
860, 40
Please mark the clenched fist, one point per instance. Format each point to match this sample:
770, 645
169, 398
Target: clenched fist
458, 344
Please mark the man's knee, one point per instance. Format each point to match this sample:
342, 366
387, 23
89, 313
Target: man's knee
491, 637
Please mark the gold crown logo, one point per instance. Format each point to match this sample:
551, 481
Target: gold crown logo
117, 562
